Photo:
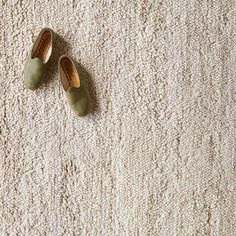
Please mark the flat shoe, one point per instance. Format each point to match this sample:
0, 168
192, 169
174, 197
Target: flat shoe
75, 88
37, 61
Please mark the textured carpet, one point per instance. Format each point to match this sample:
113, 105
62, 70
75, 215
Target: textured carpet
156, 155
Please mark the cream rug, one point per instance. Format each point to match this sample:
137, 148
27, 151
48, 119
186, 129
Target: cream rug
156, 155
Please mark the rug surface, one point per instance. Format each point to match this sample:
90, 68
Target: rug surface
156, 154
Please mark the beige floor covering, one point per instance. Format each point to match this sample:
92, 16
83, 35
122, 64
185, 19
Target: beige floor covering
156, 155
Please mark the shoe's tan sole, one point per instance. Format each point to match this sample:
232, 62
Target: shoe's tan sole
70, 72
43, 46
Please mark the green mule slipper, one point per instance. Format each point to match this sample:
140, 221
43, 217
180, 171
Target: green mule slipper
76, 89
37, 61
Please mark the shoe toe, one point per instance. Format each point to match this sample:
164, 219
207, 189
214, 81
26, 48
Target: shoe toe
33, 73
78, 100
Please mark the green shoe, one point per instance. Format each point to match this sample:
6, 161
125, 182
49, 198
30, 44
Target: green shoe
76, 89
37, 61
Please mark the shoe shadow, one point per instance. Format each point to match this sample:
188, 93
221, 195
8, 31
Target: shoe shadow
86, 76
60, 47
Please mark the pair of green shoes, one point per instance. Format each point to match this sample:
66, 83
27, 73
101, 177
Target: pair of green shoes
36, 67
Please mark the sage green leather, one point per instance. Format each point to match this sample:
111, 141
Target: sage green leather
76, 89
34, 72
37, 61
78, 99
